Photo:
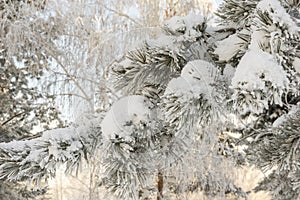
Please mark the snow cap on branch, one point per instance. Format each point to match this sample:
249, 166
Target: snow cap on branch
256, 68
278, 15
126, 116
258, 77
196, 78
190, 97
190, 26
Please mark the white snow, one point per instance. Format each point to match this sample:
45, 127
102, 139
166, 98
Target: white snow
182, 29
296, 65
278, 15
126, 114
228, 72
176, 24
59, 134
258, 38
255, 69
185, 25
196, 78
164, 41
228, 47
185, 28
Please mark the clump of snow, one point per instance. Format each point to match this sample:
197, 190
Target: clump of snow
180, 29
258, 39
62, 134
279, 15
255, 69
175, 25
125, 116
296, 65
196, 78
187, 28
259, 79
229, 47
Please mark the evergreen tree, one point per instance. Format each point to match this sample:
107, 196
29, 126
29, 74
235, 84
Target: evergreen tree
168, 134
183, 92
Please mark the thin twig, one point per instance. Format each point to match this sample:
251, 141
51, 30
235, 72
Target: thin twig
86, 96
11, 118
121, 14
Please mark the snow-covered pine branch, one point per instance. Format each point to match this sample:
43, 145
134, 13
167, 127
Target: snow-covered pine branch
168, 135
131, 129
194, 106
192, 98
37, 159
277, 148
148, 69
266, 85
265, 55
258, 83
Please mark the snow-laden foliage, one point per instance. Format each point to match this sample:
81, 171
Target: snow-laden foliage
258, 82
38, 158
265, 84
272, 34
172, 134
193, 110
277, 32
148, 69
191, 98
278, 15
130, 130
190, 102
277, 148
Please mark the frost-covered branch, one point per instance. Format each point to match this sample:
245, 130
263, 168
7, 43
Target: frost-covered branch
130, 131
38, 158
279, 150
147, 70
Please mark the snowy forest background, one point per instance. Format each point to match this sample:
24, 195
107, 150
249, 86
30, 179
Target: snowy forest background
149, 99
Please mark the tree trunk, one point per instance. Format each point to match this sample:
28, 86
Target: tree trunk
160, 185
